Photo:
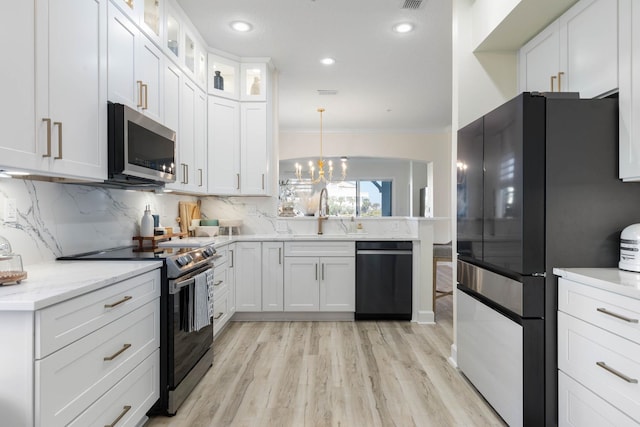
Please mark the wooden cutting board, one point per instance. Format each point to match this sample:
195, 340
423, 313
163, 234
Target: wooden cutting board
186, 212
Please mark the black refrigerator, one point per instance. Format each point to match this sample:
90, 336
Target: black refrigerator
537, 188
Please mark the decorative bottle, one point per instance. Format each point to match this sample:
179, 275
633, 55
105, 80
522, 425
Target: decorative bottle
146, 223
218, 81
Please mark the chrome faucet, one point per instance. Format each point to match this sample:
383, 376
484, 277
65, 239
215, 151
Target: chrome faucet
323, 210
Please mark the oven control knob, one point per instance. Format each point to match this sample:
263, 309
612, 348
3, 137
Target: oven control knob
182, 261
188, 259
208, 252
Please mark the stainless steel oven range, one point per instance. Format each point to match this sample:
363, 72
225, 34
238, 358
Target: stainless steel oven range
186, 348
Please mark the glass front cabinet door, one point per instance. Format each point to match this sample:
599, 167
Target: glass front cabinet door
145, 13
254, 82
223, 77
172, 43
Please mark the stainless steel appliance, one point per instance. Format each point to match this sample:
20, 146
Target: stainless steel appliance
141, 152
185, 354
537, 188
384, 280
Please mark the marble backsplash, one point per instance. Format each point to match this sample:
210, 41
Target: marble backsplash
56, 219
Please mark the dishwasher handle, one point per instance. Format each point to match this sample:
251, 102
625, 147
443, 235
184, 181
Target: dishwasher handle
382, 252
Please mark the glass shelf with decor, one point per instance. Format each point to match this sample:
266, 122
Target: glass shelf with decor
223, 76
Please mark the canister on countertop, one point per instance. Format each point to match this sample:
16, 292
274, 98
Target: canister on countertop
630, 248
10, 265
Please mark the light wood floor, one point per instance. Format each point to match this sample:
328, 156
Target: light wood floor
347, 374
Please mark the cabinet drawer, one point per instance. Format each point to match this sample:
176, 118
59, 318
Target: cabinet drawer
221, 312
578, 407
224, 257
71, 379
331, 248
616, 313
593, 356
132, 397
64, 323
220, 281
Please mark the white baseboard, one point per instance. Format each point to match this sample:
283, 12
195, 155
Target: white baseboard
453, 359
290, 316
426, 317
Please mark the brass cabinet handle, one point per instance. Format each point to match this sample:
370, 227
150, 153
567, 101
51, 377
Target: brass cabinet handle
200, 171
126, 298
279, 256
263, 181
552, 80
125, 409
316, 271
140, 104
237, 181
617, 373
231, 258
322, 271
59, 124
218, 316
184, 173
616, 315
48, 121
217, 283
560, 74
146, 97
117, 353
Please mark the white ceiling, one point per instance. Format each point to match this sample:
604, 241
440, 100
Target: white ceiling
385, 81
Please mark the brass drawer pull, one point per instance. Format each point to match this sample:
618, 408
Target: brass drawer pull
140, 103
125, 299
59, 124
560, 74
553, 78
146, 97
48, 121
125, 409
218, 316
617, 373
616, 315
217, 283
117, 353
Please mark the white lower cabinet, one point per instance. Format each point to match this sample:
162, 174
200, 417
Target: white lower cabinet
89, 360
319, 283
598, 356
272, 276
248, 259
223, 288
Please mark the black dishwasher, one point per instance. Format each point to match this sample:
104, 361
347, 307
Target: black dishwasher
384, 275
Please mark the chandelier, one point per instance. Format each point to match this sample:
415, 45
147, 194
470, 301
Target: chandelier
322, 175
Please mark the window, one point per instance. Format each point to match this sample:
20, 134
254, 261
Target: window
360, 198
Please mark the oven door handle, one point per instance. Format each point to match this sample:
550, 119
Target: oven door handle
177, 284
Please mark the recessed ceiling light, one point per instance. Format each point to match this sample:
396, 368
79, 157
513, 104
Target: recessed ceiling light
404, 27
328, 61
241, 26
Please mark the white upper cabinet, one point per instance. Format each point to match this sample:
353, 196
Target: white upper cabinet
253, 148
57, 126
629, 96
18, 146
540, 61
224, 146
576, 53
135, 66
71, 107
147, 14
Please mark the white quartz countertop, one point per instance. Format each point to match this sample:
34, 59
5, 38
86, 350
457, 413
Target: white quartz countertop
56, 281
225, 239
610, 279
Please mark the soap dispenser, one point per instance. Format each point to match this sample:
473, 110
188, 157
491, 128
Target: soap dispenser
146, 223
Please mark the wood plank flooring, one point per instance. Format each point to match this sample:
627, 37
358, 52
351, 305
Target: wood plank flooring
334, 374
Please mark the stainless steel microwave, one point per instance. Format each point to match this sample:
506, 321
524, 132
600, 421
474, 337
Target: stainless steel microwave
141, 150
